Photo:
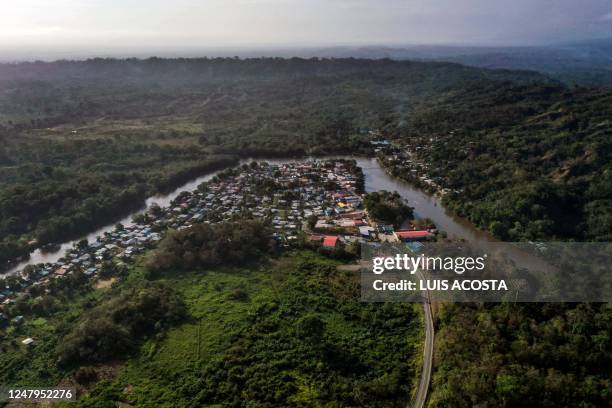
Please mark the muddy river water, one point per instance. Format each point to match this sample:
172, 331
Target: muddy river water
425, 206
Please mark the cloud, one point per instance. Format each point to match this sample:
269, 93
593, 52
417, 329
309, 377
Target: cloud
93, 25
606, 17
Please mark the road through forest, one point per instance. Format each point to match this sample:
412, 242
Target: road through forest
421, 395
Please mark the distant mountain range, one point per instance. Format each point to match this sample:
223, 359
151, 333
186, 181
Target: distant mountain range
586, 62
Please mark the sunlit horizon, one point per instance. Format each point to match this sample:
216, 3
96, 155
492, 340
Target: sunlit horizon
36, 29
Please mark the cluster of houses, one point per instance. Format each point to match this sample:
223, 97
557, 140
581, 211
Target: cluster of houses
405, 160
314, 200
120, 245
285, 195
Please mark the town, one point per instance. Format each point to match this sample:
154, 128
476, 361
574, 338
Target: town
408, 161
320, 202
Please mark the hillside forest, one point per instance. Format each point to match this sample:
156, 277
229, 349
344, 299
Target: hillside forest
524, 156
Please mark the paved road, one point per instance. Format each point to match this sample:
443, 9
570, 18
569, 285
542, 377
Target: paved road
421, 396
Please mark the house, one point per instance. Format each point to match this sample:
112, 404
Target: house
381, 142
321, 224
366, 231
345, 223
315, 238
413, 235
27, 342
62, 271
330, 241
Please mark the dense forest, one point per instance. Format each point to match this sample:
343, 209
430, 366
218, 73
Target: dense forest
524, 162
533, 355
114, 328
81, 141
524, 157
206, 246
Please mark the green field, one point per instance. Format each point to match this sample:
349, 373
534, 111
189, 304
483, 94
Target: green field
286, 332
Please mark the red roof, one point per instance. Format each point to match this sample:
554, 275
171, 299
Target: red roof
330, 241
413, 234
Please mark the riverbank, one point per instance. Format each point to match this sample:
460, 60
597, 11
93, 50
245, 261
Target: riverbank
36, 251
375, 179
284, 195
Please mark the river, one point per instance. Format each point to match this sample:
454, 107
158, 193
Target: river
425, 206
41, 256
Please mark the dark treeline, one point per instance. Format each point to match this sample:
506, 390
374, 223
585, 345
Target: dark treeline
206, 69
209, 246
45, 94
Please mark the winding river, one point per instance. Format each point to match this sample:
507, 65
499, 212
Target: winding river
425, 206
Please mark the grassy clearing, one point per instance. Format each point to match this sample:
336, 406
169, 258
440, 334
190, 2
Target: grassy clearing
245, 322
290, 331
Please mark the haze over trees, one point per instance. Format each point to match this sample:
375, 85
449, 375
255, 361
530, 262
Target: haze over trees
82, 141
525, 156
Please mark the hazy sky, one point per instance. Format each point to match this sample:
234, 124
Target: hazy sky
122, 26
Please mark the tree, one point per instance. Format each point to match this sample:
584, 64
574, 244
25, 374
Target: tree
311, 327
108, 269
387, 207
312, 221
497, 229
82, 244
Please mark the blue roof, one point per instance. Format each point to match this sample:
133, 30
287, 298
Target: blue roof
414, 246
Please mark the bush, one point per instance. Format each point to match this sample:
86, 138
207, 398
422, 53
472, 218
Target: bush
115, 328
85, 375
387, 207
240, 295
